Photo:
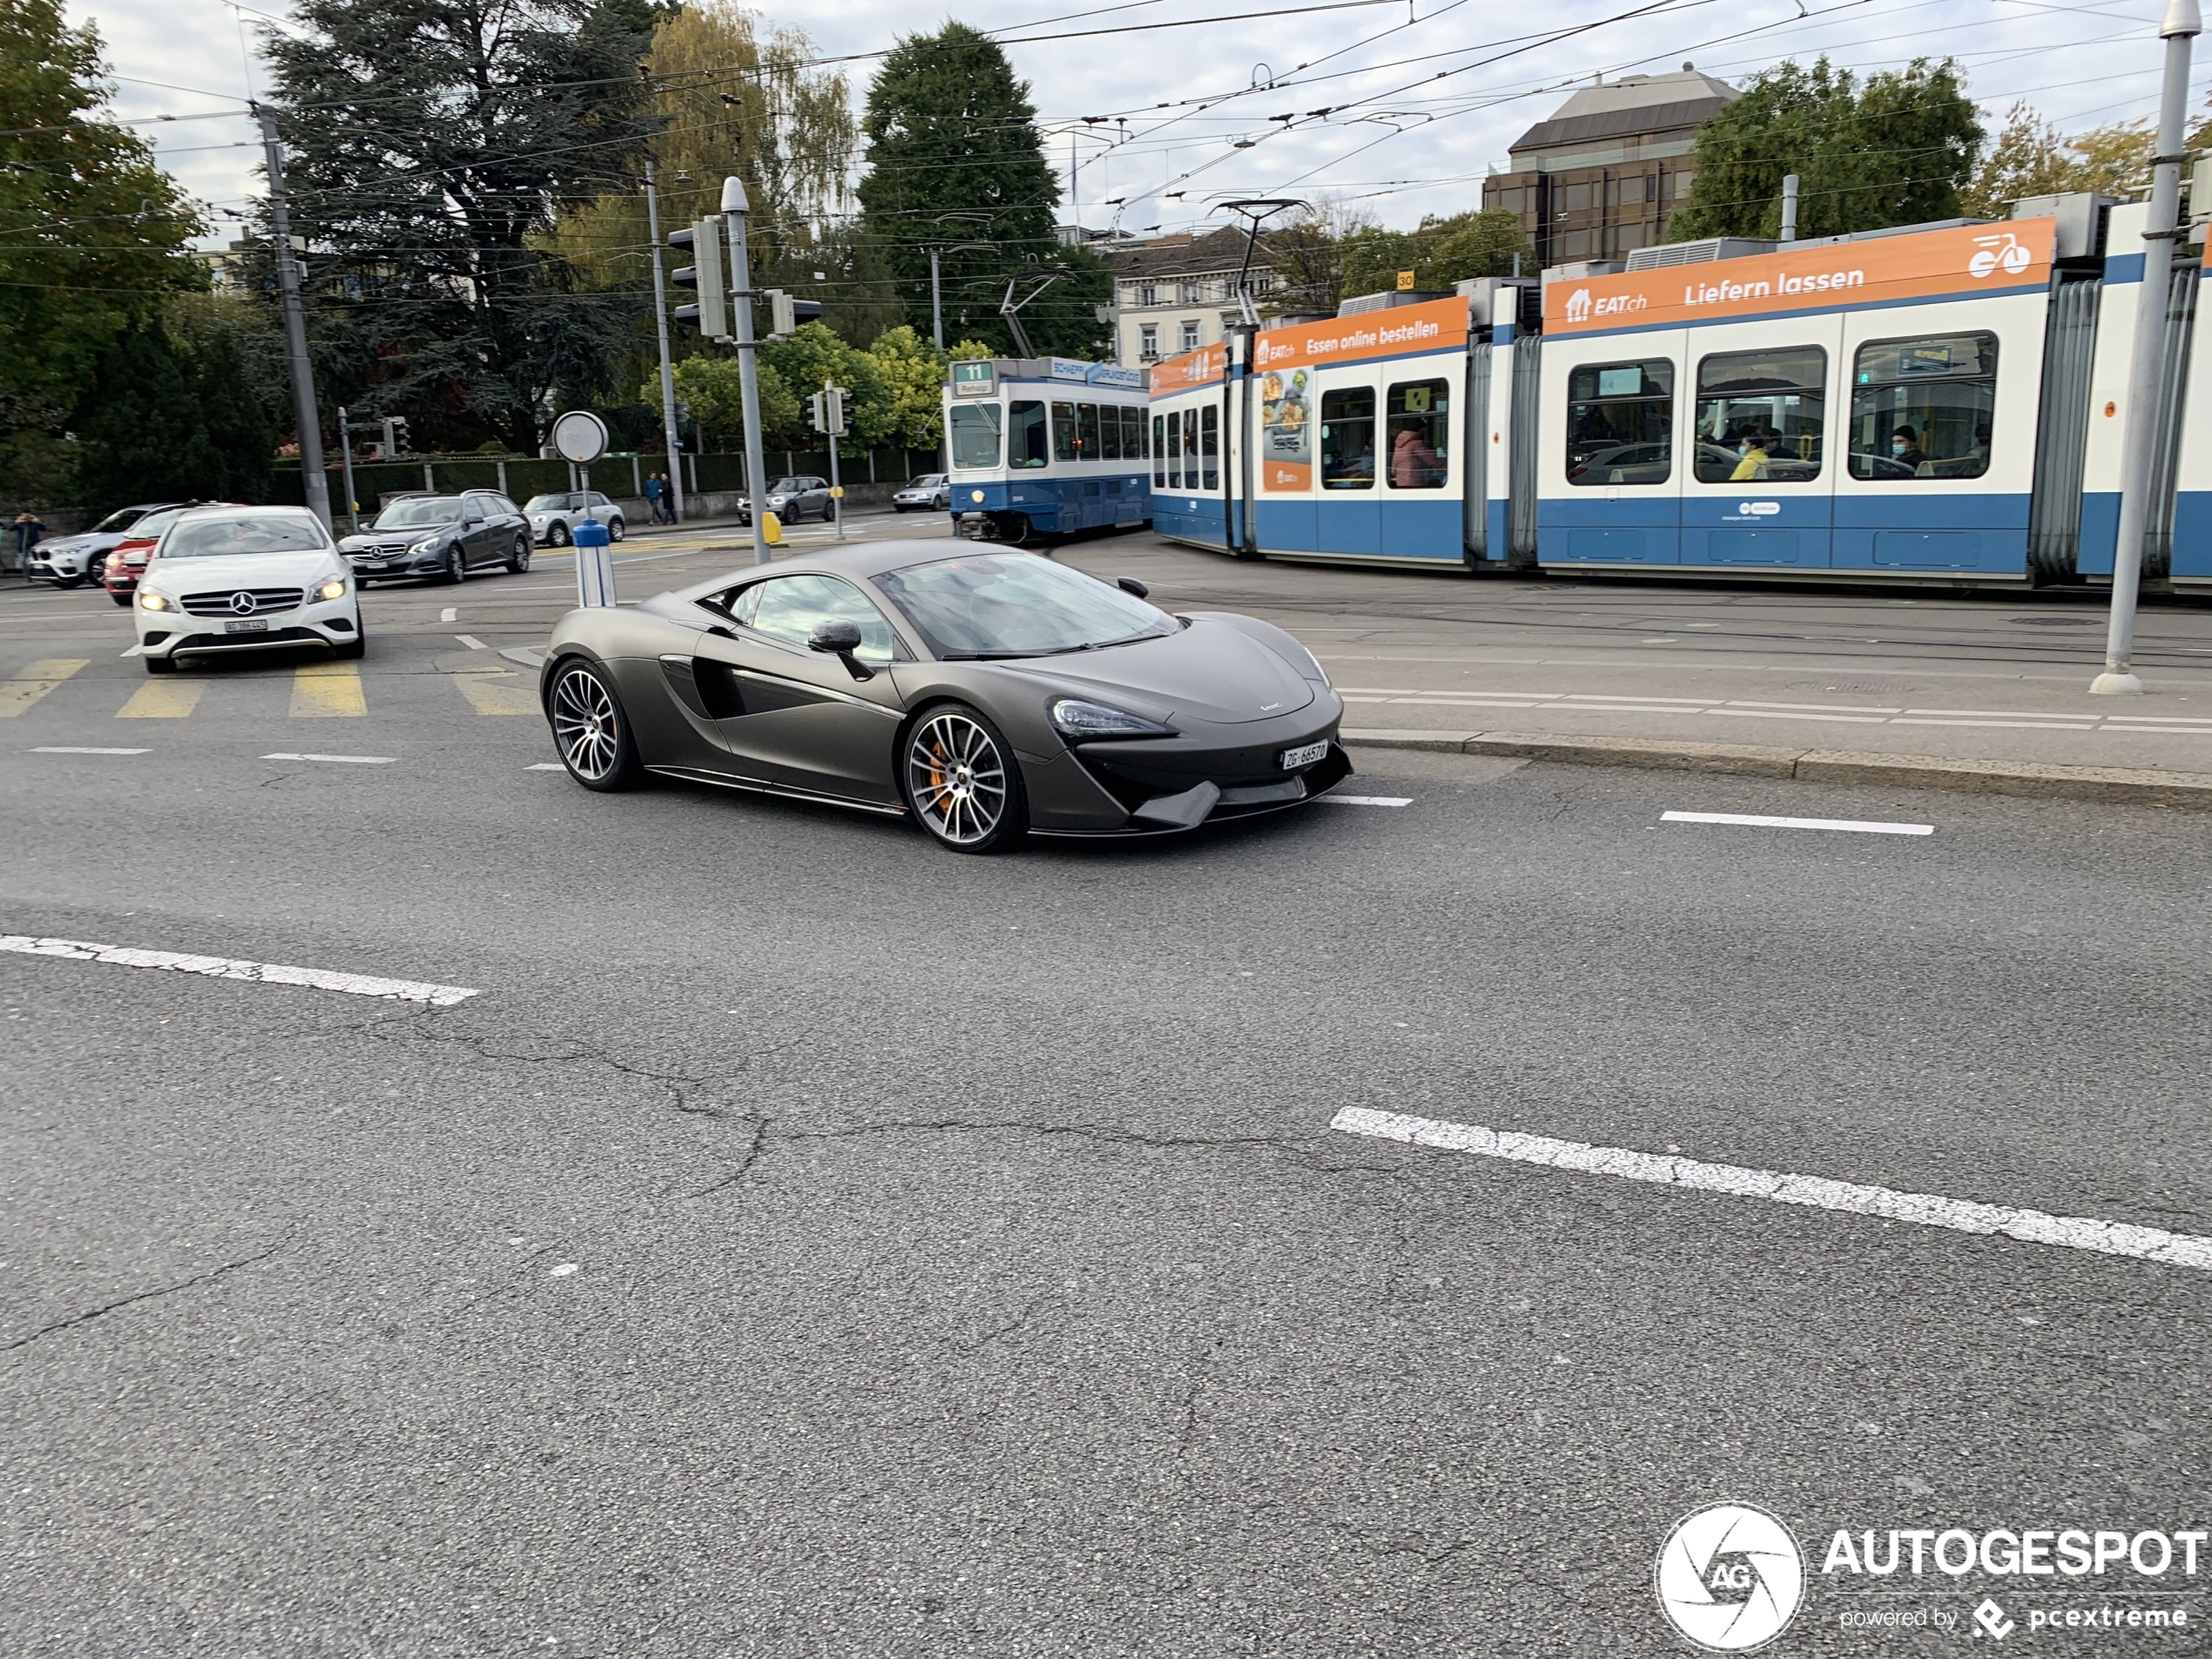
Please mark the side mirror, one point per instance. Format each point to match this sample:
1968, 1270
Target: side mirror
842, 636
1132, 585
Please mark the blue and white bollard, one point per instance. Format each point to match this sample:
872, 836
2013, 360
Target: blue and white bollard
595, 566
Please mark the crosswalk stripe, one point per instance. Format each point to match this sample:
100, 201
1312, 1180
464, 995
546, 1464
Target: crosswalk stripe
498, 691
324, 689
163, 700
34, 682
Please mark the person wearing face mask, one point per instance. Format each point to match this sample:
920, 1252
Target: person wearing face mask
1751, 451
1905, 449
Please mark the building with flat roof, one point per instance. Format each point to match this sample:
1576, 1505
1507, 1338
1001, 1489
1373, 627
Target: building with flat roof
1603, 174
1174, 294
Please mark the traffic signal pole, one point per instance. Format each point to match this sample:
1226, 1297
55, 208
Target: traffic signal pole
736, 209
313, 484
667, 373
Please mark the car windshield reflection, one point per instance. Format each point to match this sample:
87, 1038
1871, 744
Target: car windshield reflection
423, 509
1016, 604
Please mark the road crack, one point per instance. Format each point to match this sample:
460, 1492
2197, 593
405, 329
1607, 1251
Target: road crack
208, 1278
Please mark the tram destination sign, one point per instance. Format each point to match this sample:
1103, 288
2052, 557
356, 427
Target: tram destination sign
1962, 262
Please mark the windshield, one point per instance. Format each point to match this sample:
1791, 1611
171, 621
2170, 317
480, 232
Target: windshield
154, 523
121, 519
214, 538
786, 487
975, 435
1016, 604
549, 503
422, 509
928, 481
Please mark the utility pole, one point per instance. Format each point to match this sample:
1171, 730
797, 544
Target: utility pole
736, 209
346, 457
2181, 25
667, 375
936, 301
1790, 186
314, 485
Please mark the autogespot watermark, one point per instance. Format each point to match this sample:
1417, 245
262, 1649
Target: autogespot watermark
1731, 1578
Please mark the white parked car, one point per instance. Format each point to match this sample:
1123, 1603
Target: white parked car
70, 561
931, 492
554, 518
244, 578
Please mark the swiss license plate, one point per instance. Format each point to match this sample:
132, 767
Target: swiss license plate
1305, 755
260, 625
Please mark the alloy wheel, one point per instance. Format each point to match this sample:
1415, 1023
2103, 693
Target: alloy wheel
956, 778
586, 726
457, 565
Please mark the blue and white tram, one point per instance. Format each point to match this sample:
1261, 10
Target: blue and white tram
1044, 446
1931, 404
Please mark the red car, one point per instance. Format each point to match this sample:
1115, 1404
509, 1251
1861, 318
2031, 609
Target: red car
126, 561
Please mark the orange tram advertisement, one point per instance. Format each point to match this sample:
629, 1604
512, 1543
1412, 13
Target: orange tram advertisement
1938, 403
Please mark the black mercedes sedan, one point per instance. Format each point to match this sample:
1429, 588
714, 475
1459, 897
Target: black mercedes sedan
987, 694
446, 537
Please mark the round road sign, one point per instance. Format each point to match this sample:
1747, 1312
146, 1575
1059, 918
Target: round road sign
581, 436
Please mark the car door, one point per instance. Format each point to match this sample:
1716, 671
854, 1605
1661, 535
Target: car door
482, 539
800, 719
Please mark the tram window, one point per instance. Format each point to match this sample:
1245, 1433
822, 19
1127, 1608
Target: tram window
1063, 432
1419, 418
1159, 452
1348, 438
975, 435
1620, 422
1109, 433
1175, 448
1088, 444
1209, 447
1025, 434
1183, 466
1923, 408
1132, 434
1760, 414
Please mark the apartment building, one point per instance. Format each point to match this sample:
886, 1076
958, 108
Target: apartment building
1174, 294
1603, 174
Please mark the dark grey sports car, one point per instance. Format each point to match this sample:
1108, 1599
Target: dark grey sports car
986, 694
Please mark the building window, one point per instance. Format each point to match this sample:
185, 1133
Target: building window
1572, 245
1682, 185
1575, 198
1189, 290
1191, 330
1147, 342
1148, 293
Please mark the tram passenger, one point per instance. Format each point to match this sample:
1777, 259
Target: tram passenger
1905, 449
1753, 457
1414, 464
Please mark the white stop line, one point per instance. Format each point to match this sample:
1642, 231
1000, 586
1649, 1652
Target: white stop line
321, 979
1926, 1210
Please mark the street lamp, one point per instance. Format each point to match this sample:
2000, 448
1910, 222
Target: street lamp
2181, 25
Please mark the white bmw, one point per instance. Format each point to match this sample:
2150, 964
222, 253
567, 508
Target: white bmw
246, 578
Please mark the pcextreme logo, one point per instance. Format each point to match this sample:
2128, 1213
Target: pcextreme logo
1730, 1577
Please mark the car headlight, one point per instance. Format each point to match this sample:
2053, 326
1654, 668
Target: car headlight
428, 544
154, 601
1077, 720
333, 589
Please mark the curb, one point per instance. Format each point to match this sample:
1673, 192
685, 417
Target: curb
2023, 778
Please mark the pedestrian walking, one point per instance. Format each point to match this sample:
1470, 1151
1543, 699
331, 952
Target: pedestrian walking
654, 497
668, 496
24, 535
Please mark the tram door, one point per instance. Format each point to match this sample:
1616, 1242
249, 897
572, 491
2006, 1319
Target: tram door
1757, 482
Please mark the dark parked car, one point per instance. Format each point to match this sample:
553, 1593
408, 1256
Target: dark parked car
984, 696
441, 535
792, 499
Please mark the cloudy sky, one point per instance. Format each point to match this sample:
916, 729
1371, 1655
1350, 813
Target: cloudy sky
1420, 95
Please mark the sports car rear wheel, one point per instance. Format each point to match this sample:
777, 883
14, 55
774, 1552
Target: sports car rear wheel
962, 782
592, 731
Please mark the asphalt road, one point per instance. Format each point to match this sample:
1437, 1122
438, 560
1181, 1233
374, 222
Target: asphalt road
808, 1242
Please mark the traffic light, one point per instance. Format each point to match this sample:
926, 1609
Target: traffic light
785, 313
396, 440
704, 242
825, 411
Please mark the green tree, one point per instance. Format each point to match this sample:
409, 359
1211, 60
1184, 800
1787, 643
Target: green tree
1440, 253
431, 145
813, 357
162, 419
710, 386
954, 158
1898, 149
93, 238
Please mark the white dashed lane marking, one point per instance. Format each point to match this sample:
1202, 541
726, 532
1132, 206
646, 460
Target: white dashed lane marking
545, 765
450, 614
1922, 1209
345, 760
1369, 801
1758, 822
321, 979
472, 642
64, 749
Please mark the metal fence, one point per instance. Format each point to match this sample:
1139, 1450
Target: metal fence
618, 475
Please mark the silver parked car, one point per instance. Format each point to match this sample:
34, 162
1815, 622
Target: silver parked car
70, 561
792, 499
931, 492
554, 518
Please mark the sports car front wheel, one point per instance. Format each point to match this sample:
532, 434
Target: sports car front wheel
592, 731
962, 782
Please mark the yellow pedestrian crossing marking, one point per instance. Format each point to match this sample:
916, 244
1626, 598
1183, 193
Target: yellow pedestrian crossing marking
321, 690
163, 700
497, 691
33, 682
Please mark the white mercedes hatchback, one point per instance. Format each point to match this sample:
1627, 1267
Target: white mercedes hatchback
246, 578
